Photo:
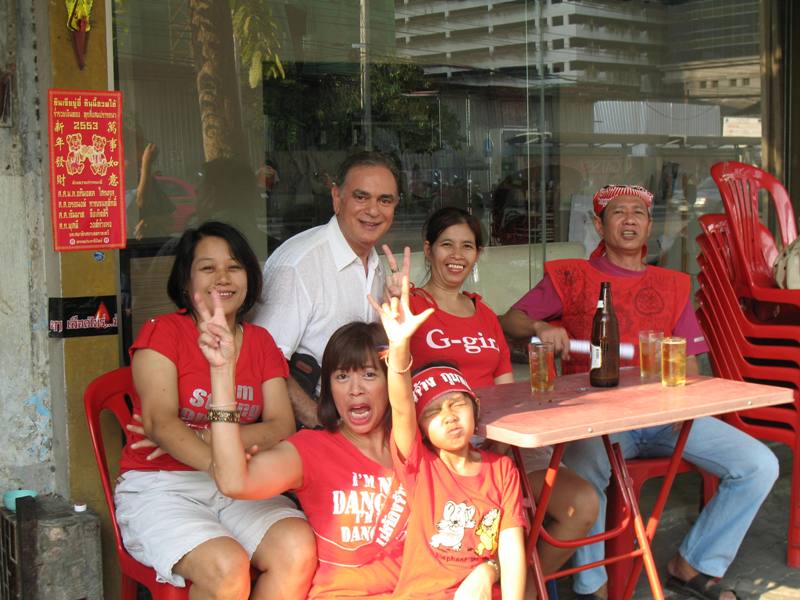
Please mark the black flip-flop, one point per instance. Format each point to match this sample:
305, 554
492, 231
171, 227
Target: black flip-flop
700, 586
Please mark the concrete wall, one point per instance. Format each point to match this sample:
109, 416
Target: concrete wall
28, 452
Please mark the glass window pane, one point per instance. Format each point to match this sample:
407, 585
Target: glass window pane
515, 111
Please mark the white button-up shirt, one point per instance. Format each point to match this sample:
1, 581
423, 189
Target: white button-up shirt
313, 284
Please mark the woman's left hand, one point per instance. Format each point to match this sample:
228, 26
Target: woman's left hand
398, 320
145, 442
216, 339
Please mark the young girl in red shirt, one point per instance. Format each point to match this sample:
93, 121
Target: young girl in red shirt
466, 503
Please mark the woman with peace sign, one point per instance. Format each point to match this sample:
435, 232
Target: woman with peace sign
171, 514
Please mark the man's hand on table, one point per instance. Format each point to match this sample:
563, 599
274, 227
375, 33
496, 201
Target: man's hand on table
555, 335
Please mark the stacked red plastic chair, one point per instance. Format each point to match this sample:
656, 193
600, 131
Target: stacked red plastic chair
751, 325
114, 392
740, 186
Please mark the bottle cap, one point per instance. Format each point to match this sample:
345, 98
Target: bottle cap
79, 507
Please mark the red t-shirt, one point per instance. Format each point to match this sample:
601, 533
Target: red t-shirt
175, 336
455, 521
344, 494
475, 344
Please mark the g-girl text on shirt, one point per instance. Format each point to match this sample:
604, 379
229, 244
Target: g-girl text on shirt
472, 345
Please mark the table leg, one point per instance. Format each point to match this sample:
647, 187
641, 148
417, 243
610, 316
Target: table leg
658, 507
538, 510
645, 552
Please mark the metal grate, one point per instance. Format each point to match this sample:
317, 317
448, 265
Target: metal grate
9, 563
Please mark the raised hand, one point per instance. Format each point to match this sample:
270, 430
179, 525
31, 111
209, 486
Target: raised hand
216, 340
394, 280
398, 320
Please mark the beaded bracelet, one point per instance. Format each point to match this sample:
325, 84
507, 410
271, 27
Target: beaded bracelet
222, 416
388, 366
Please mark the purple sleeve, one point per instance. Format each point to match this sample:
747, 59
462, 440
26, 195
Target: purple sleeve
542, 303
688, 327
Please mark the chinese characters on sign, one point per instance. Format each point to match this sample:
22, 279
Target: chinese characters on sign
86, 170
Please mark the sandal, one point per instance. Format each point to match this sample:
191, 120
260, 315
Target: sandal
700, 586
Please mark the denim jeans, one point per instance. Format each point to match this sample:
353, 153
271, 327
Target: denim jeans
746, 468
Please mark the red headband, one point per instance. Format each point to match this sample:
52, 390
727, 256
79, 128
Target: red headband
434, 382
606, 194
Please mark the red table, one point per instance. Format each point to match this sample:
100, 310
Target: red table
513, 415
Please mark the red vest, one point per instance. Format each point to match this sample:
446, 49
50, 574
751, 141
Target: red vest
653, 301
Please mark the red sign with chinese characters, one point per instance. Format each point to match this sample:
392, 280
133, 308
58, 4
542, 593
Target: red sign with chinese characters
87, 188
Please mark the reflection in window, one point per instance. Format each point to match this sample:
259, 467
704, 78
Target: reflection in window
483, 109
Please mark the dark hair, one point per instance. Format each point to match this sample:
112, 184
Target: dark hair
368, 158
352, 346
181, 274
446, 217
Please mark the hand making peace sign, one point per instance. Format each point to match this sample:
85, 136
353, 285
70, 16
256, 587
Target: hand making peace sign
216, 341
394, 280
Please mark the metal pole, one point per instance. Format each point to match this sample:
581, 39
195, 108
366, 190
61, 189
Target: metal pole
542, 148
366, 101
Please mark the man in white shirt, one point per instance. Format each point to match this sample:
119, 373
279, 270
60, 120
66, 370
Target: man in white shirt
319, 279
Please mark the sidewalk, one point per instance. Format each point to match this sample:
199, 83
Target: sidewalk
759, 570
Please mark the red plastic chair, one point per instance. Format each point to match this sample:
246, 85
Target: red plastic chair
717, 266
739, 184
641, 470
113, 392
731, 333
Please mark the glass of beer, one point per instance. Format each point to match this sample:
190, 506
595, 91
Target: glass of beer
673, 361
650, 353
542, 366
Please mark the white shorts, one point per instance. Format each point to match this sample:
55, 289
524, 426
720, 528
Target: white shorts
164, 515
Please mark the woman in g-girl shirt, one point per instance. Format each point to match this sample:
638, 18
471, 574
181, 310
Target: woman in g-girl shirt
464, 331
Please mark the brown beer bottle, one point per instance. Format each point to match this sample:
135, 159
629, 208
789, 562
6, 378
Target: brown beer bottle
604, 371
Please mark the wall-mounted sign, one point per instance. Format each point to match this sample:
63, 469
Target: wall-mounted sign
87, 188
82, 316
741, 127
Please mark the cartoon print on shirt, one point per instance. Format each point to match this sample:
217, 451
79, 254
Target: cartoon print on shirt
487, 533
450, 529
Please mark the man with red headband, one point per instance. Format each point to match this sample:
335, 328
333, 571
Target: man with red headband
646, 297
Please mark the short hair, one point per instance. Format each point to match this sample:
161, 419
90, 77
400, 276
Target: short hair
446, 217
368, 158
352, 346
181, 273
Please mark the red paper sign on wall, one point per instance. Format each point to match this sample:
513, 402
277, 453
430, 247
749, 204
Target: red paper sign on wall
87, 187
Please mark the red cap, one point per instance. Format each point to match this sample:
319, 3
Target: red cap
433, 382
606, 194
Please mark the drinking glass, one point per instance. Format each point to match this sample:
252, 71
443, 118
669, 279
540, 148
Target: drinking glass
650, 353
542, 366
673, 361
